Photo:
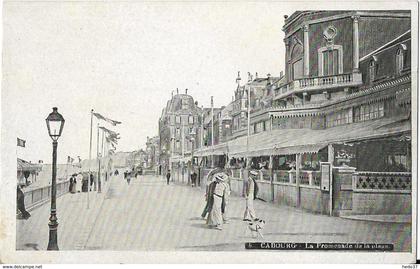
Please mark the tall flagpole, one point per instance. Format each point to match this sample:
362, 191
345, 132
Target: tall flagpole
249, 116
98, 178
90, 155
212, 131
102, 152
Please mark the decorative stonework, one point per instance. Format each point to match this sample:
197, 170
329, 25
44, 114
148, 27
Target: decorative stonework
330, 33
382, 181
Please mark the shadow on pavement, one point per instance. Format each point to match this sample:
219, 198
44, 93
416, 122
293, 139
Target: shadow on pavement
32, 246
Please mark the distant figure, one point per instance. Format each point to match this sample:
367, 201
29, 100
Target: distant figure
125, 174
85, 182
128, 178
91, 181
245, 174
21, 203
251, 194
79, 181
168, 176
193, 179
73, 184
116, 173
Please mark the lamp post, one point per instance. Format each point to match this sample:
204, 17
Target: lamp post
192, 139
55, 124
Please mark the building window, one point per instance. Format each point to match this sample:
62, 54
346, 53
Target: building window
178, 145
337, 118
178, 132
191, 119
372, 70
399, 61
184, 104
178, 119
330, 60
369, 112
296, 62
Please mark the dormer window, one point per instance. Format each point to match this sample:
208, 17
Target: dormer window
399, 61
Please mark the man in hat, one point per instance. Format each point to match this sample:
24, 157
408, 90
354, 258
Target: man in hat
215, 218
251, 188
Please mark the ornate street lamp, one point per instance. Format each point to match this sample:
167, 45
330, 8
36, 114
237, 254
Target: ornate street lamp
192, 139
55, 124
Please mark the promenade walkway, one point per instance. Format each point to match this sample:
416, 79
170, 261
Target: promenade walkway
147, 214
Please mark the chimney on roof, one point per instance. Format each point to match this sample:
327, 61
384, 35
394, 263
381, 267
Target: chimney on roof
249, 77
268, 79
186, 91
172, 94
177, 91
285, 17
256, 75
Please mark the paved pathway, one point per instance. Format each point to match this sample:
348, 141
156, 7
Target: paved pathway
149, 215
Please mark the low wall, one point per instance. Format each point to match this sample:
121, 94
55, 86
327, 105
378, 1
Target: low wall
376, 193
285, 193
236, 186
313, 199
264, 190
39, 196
381, 203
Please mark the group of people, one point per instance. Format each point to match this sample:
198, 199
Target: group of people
217, 197
80, 182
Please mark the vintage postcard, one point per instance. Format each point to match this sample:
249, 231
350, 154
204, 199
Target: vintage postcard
246, 132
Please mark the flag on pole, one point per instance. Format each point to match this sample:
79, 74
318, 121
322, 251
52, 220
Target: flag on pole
21, 142
110, 132
100, 117
69, 159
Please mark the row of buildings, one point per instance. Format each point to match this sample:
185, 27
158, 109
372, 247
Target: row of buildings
344, 100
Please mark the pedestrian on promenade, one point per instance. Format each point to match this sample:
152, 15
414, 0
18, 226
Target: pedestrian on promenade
21, 203
245, 174
225, 201
211, 184
215, 217
193, 179
251, 194
73, 183
79, 181
168, 176
116, 172
92, 180
128, 177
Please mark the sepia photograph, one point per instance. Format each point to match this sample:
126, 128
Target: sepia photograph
181, 129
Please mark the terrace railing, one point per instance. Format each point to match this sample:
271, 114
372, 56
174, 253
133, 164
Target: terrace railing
382, 182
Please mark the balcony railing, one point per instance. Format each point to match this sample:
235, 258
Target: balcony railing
320, 83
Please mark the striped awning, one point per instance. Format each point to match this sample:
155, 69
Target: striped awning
25, 166
293, 141
219, 149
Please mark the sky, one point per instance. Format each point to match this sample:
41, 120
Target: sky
123, 59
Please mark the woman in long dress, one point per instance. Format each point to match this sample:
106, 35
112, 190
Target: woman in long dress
79, 181
215, 218
74, 185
